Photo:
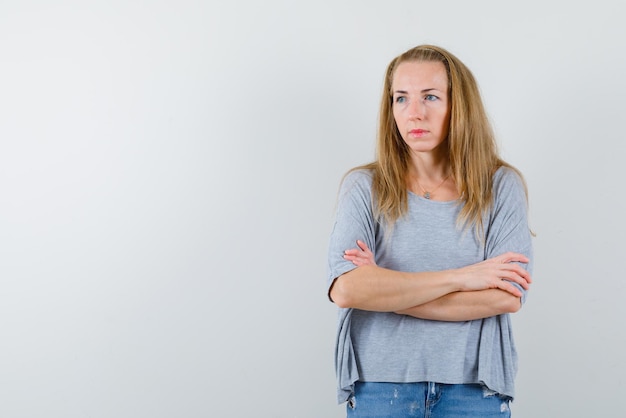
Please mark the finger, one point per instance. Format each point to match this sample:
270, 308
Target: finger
358, 261
508, 287
356, 254
517, 278
362, 245
511, 257
353, 260
518, 270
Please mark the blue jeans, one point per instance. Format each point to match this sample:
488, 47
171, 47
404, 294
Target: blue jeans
425, 399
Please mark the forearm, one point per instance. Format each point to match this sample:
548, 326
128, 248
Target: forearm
466, 306
373, 288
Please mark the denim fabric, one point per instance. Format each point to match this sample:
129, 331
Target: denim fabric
427, 400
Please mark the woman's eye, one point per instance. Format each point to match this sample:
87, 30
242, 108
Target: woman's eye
430, 97
400, 99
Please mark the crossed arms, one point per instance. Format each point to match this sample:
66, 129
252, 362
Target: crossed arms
476, 291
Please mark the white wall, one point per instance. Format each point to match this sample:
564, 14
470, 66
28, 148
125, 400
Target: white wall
167, 179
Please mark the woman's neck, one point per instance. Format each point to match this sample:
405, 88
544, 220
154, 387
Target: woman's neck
429, 167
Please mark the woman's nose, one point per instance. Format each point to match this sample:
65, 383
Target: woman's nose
417, 109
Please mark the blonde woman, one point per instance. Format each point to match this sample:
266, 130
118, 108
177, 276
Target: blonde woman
430, 253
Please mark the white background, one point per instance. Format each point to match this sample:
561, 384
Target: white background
168, 172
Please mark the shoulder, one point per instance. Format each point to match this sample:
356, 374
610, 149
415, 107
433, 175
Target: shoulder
360, 178
356, 188
509, 184
507, 177
506, 174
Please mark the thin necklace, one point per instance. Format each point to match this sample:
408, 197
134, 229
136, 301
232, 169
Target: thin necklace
427, 194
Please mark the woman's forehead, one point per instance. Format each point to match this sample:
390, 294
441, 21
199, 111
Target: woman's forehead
420, 75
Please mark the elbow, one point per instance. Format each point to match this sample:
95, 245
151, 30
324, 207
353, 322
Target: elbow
347, 290
512, 304
340, 293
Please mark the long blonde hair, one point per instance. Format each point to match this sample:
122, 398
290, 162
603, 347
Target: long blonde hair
471, 143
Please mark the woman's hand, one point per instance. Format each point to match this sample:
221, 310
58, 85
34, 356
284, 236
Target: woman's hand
496, 273
361, 256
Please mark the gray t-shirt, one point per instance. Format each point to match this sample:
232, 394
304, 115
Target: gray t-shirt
388, 347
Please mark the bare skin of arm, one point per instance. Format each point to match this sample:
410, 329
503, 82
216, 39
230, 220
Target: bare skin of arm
472, 292
466, 306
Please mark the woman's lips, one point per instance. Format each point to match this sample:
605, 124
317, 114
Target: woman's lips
418, 132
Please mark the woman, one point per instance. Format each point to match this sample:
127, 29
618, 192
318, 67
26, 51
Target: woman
442, 257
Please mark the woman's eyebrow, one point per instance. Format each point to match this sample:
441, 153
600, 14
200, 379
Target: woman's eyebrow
422, 91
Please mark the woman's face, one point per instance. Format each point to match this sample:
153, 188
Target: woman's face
421, 107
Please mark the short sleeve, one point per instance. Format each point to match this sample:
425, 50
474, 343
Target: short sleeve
354, 221
507, 228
